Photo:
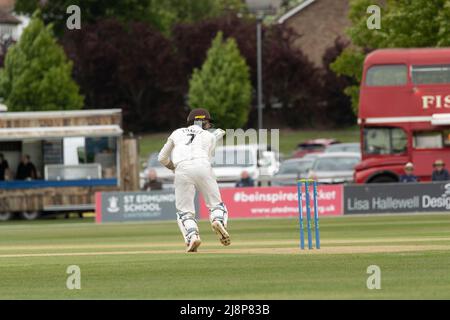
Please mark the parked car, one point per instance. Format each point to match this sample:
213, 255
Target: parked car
313, 146
269, 163
335, 167
165, 175
291, 170
344, 147
312, 156
230, 161
228, 164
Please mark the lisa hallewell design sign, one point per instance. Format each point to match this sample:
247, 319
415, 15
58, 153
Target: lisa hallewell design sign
397, 197
135, 206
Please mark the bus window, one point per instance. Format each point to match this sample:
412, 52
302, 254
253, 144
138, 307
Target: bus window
432, 74
447, 138
388, 75
427, 140
384, 141
431, 139
399, 141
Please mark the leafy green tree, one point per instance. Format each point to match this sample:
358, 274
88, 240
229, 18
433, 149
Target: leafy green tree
132, 67
223, 85
37, 73
350, 64
404, 24
161, 14
166, 14
54, 11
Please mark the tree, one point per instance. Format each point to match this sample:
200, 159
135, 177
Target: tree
133, 67
404, 24
289, 77
5, 43
54, 11
336, 106
193, 40
161, 14
37, 73
187, 11
350, 64
222, 86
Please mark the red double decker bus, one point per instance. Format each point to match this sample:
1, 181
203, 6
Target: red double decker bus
404, 113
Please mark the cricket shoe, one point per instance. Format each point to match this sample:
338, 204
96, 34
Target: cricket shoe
194, 243
220, 230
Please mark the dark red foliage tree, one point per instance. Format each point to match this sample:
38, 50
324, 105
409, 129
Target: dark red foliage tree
290, 80
192, 40
136, 68
288, 75
5, 43
132, 67
336, 105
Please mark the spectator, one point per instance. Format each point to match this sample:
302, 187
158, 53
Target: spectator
245, 181
440, 173
408, 176
4, 166
26, 169
152, 182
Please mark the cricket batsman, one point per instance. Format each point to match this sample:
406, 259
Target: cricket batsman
188, 152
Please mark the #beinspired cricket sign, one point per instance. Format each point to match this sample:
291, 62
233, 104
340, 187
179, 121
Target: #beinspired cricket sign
135, 206
263, 202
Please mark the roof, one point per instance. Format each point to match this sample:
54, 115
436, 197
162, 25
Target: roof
267, 6
58, 114
346, 144
309, 159
295, 10
244, 146
319, 141
413, 55
339, 155
7, 5
10, 134
8, 18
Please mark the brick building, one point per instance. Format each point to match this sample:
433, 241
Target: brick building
11, 24
8, 22
319, 22
7, 5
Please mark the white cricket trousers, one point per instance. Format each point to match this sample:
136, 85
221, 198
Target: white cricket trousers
193, 174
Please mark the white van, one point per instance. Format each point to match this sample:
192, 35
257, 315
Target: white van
230, 161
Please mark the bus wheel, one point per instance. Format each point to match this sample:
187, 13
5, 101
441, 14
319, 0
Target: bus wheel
29, 215
5, 216
383, 179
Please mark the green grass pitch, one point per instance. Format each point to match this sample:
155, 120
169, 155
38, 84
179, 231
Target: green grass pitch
147, 260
